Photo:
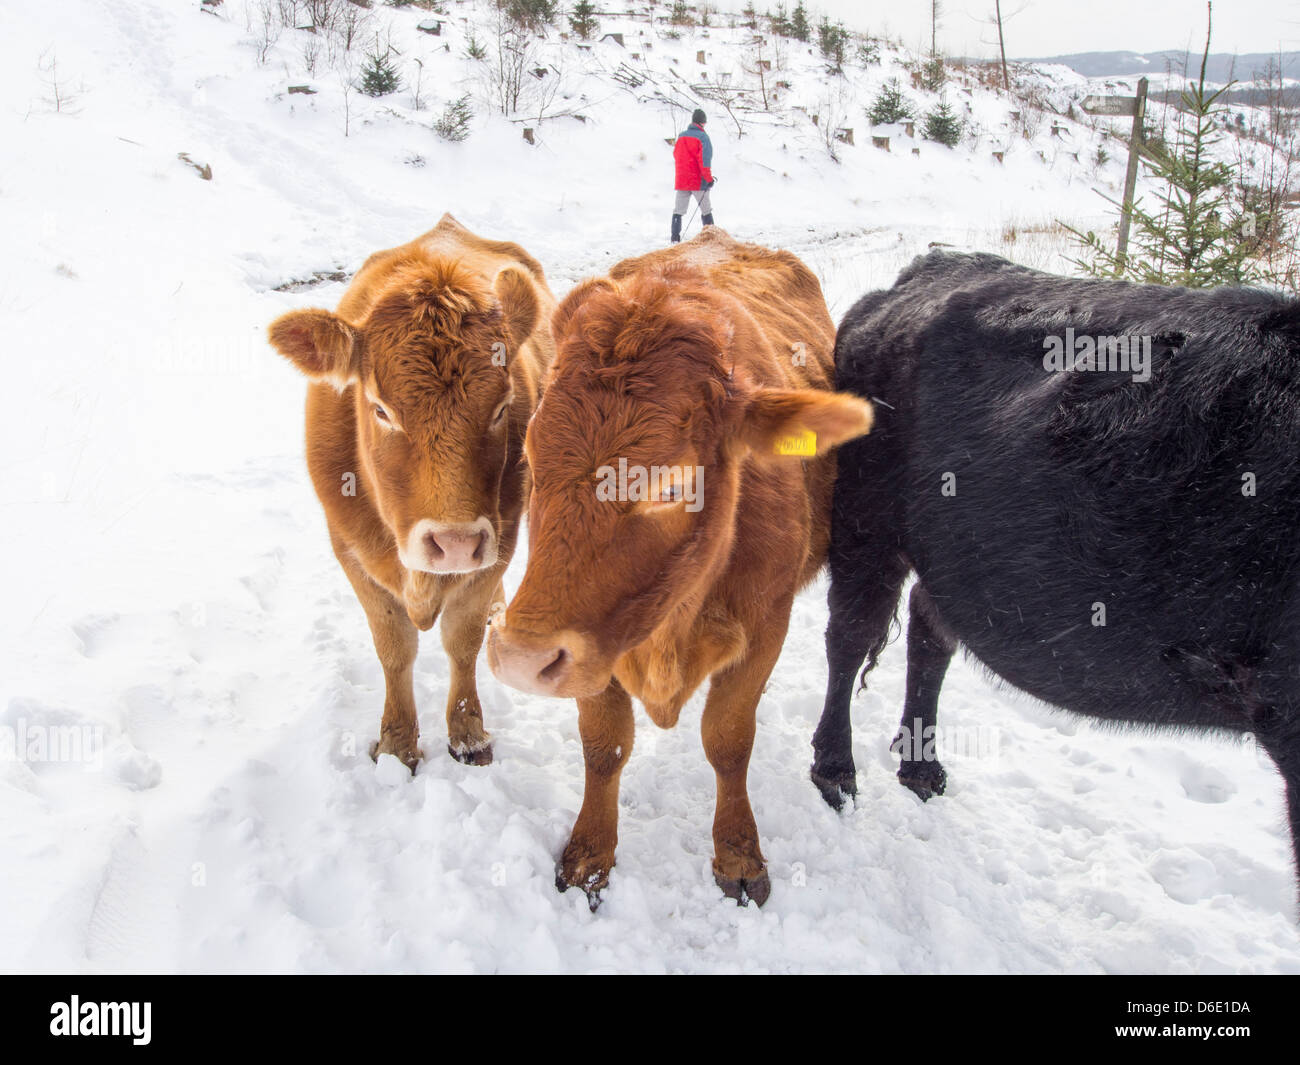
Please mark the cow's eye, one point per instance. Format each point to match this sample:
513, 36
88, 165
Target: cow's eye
382, 415
670, 493
500, 415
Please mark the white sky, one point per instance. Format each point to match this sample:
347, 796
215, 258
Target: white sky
1058, 27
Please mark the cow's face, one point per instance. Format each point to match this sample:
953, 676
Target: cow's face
428, 372
636, 453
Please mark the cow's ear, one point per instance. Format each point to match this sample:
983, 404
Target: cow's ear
518, 298
801, 422
321, 344
577, 296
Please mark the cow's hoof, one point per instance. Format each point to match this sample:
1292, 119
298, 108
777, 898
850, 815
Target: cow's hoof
745, 890
926, 779
581, 868
406, 753
592, 891
836, 788
592, 884
476, 756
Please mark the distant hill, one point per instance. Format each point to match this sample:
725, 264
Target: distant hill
1221, 67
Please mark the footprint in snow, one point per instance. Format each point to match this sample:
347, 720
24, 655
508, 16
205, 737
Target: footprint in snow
1204, 783
1185, 875
92, 631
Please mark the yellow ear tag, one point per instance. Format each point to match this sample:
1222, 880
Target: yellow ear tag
803, 442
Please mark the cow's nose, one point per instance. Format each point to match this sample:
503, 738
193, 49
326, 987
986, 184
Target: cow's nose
540, 672
460, 548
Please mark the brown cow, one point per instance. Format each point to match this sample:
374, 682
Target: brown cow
672, 519
423, 384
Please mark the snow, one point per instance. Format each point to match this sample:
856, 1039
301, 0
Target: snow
172, 602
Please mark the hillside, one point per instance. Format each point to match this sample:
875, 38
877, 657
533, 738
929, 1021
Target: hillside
172, 598
1221, 67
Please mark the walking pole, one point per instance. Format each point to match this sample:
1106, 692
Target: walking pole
695, 206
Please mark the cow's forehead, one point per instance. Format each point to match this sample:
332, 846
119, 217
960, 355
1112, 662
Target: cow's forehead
591, 426
427, 368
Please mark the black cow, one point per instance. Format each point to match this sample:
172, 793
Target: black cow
1118, 537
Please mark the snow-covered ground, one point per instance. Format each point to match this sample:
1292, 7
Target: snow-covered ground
171, 600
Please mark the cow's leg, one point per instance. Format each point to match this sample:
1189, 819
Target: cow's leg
862, 601
606, 726
1291, 773
929, 650
727, 729
396, 642
464, 623
1278, 736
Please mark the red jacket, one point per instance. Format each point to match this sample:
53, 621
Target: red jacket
693, 156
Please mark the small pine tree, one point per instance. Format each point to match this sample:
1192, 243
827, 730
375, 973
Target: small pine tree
531, 15
779, 23
868, 54
582, 19
750, 16
474, 48
832, 39
800, 30
942, 125
453, 124
1193, 236
379, 76
681, 14
933, 73
889, 105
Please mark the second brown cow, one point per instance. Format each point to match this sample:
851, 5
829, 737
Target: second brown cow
681, 493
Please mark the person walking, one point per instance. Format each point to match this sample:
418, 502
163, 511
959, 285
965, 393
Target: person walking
693, 157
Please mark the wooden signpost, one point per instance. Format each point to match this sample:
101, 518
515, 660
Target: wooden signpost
1121, 106
1118, 106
